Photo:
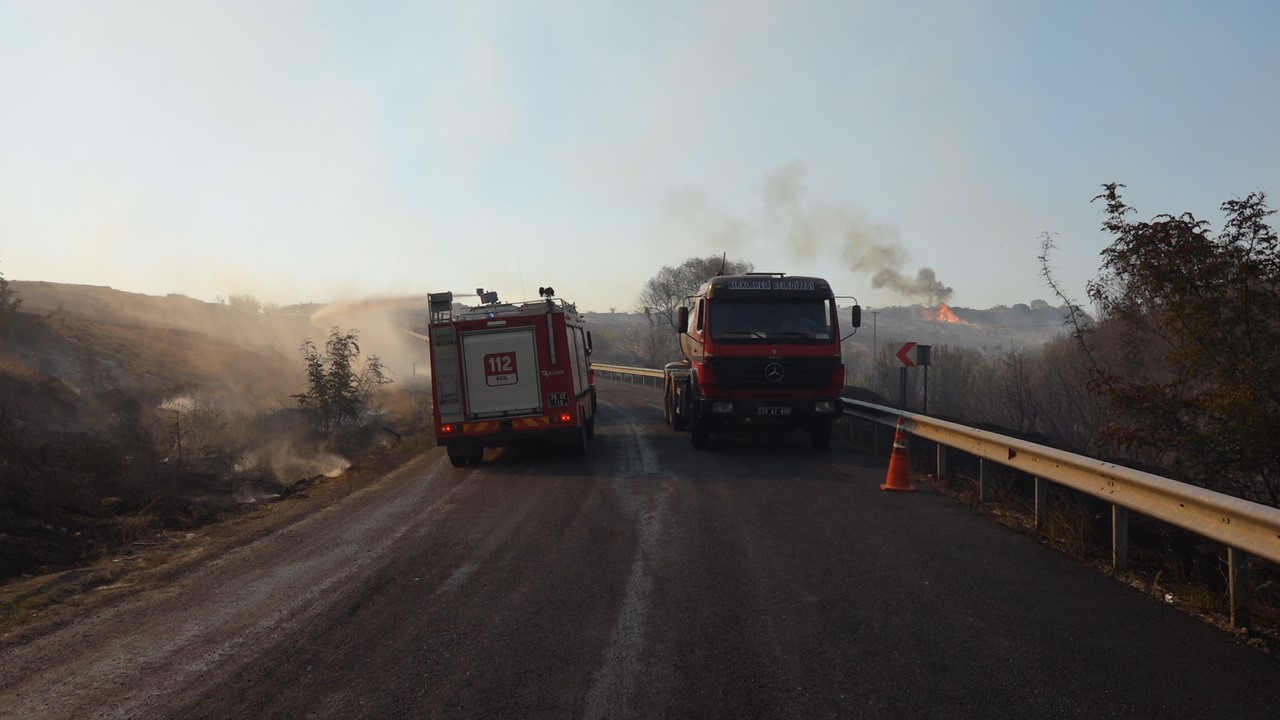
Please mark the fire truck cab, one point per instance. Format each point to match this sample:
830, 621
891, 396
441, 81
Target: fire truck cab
504, 374
761, 351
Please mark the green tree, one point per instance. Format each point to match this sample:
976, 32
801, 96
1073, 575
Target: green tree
1187, 354
337, 391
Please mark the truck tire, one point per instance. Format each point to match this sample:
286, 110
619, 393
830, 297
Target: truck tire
820, 434
584, 440
699, 431
675, 418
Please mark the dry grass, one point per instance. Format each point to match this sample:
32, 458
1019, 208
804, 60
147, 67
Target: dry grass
138, 527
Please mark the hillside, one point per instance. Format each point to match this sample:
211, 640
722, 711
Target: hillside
991, 330
123, 413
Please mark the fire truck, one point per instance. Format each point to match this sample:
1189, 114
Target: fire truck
761, 351
505, 374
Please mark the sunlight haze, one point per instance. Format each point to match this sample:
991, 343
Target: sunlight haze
316, 151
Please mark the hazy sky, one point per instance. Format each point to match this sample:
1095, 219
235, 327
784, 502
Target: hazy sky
312, 151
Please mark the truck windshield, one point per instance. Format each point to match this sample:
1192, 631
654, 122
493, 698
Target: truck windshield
798, 321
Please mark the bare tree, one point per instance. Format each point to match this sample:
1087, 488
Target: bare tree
650, 344
656, 341
666, 291
953, 378
1070, 412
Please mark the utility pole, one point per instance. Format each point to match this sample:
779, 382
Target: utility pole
874, 313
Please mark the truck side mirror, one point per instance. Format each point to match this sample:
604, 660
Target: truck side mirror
590, 349
856, 319
682, 319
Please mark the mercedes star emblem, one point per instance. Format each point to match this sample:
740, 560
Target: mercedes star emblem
773, 372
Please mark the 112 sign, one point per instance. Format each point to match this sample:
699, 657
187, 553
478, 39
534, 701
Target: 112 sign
500, 369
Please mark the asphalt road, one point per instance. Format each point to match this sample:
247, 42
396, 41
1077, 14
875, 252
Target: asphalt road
645, 580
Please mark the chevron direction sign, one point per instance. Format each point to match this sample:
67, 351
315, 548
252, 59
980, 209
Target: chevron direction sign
911, 354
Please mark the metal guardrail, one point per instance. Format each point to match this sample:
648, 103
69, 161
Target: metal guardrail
1235, 522
630, 374
1242, 526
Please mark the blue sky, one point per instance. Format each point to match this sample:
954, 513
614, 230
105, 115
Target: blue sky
317, 151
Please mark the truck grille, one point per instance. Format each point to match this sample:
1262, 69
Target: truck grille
763, 372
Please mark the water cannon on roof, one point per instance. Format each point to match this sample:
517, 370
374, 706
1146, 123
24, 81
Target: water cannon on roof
487, 298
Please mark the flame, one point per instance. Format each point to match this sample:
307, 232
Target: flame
946, 315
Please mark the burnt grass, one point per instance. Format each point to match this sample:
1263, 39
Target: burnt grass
58, 511
127, 419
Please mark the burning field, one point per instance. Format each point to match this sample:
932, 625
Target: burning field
944, 314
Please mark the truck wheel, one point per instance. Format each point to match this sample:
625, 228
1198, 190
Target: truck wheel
584, 439
820, 434
679, 415
699, 431
675, 419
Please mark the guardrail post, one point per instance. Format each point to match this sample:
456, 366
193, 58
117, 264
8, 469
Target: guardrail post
941, 461
1042, 503
984, 487
1119, 537
1238, 575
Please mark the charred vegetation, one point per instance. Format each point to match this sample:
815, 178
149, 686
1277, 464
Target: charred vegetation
125, 417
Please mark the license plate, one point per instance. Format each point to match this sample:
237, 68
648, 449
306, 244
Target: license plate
772, 410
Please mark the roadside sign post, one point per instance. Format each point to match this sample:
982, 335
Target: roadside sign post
913, 355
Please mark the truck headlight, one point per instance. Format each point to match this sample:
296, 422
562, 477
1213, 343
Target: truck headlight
722, 406
824, 406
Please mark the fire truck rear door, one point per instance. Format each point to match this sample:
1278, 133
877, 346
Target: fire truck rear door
501, 369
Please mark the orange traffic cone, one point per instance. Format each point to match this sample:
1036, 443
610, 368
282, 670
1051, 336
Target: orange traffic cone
899, 477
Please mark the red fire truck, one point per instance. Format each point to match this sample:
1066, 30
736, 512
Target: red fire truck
762, 351
504, 374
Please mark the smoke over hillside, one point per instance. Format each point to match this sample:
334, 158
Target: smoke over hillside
868, 247
807, 231
382, 323
203, 378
